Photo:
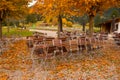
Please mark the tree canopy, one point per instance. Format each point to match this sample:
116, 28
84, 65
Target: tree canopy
12, 8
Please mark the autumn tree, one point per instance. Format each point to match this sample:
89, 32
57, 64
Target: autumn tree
82, 20
92, 7
12, 8
55, 8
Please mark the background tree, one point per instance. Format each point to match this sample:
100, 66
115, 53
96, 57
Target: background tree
93, 7
109, 13
82, 20
12, 8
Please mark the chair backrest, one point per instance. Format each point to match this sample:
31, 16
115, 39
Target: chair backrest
82, 41
93, 40
63, 38
88, 41
49, 38
38, 40
73, 45
73, 42
57, 42
48, 42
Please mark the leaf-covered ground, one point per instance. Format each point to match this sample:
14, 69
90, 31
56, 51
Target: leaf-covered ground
102, 64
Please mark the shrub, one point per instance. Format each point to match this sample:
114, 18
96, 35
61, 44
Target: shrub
67, 23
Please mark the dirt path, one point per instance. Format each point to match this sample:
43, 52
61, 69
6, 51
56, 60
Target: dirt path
49, 33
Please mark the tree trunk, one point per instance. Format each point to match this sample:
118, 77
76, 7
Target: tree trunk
8, 27
83, 29
0, 29
91, 21
8, 30
59, 25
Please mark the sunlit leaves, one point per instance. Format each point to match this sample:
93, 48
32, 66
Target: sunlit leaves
92, 7
15, 56
10, 7
3, 76
54, 8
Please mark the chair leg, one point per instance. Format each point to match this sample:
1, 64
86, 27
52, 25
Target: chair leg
81, 48
46, 53
78, 50
32, 52
54, 54
62, 51
63, 56
70, 53
86, 48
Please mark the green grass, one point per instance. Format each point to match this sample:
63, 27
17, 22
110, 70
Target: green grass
96, 29
23, 33
16, 32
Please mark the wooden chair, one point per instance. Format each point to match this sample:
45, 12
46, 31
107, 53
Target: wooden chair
100, 41
73, 46
50, 48
57, 43
117, 39
82, 43
88, 44
94, 43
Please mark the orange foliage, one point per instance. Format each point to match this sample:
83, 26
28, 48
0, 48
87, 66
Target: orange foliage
15, 56
12, 8
92, 7
3, 76
54, 7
